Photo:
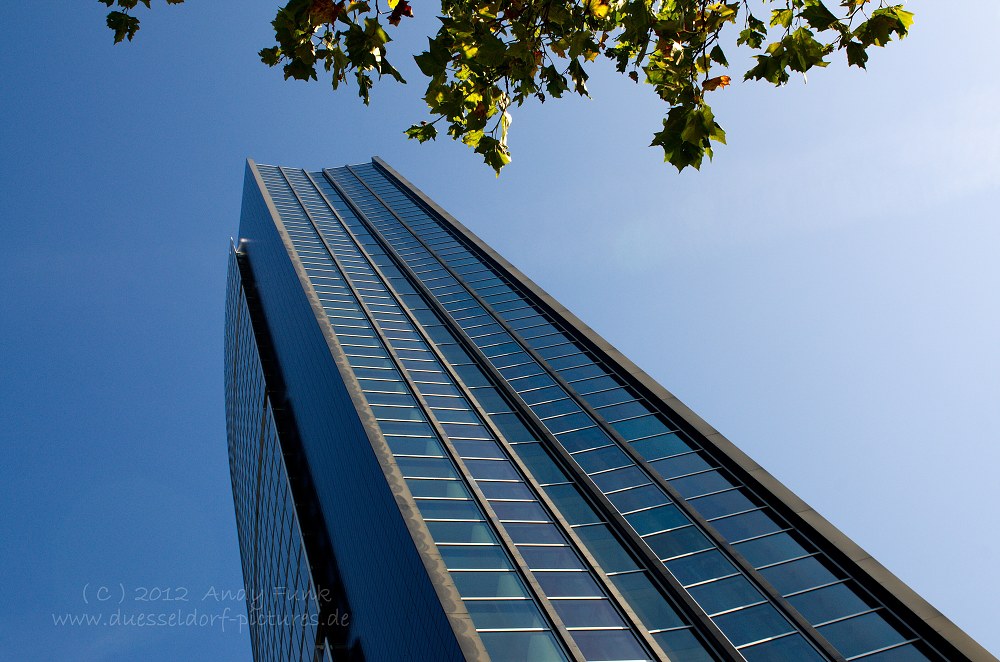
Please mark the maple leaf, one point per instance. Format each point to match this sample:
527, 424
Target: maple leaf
401, 9
715, 83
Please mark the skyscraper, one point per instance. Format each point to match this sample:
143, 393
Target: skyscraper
433, 460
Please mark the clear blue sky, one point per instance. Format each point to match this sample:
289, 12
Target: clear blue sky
825, 293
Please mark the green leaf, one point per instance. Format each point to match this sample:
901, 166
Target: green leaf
578, 76
270, 56
718, 56
856, 55
494, 154
818, 16
422, 132
752, 37
782, 17
123, 25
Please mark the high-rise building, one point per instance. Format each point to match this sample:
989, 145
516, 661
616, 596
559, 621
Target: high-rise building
434, 460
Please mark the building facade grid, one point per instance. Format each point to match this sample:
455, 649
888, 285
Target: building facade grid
572, 510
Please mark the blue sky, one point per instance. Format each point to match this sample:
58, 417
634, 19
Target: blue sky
824, 293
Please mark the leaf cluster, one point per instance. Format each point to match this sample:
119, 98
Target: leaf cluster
121, 21
490, 56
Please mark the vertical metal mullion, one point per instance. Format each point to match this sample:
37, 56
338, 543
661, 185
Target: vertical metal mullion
558, 627
540, 494
786, 608
614, 518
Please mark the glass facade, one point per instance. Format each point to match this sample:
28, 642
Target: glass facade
282, 601
560, 507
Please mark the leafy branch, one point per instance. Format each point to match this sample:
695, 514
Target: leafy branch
491, 56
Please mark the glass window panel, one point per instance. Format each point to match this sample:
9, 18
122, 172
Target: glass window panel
430, 376
861, 634
398, 413
476, 557
748, 525
793, 648
471, 375
523, 384
584, 439
681, 465
550, 558
568, 584
461, 532
441, 401
505, 348
772, 549
623, 410
498, 338
438, 488
467, 448
752, 624
610, 397
460, 431
798, 575
555, 408
542, 333
638, 497
725, 594
645, 426
456, 415
445, 509
826, 604
492, 469
646, 600
529, 511
662, 445
517, 358
512, 429
588, 613
426, 467
522, 370
510, 306
571, 361
552, 346
606, 548
580, 372
723, 503
683, 645
454, 354
403, 399
620, 479
703, 483
602, 459
520, 646
408, 428
610, 645
595, 384
571, 504
497, 614
685, 540
376, 373
568, 422
498, 490
657, 519
540, 463
439, 389
490, 400
540, 534
547, 394
489, 585
534, 326
700, 567
907, 653
415, 446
